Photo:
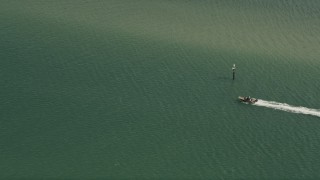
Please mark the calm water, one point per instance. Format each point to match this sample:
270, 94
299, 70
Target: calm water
143, 89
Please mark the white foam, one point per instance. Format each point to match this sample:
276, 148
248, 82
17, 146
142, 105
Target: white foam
288, 108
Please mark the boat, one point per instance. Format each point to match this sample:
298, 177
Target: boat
247, 99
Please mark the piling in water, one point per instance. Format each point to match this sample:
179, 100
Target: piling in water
233, 71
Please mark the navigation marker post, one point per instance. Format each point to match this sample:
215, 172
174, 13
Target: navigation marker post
233, 71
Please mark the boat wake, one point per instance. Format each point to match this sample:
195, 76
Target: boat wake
288, 108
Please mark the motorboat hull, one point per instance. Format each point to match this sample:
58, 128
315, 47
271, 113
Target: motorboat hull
247, 99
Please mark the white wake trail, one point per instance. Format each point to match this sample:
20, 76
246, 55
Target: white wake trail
287, 107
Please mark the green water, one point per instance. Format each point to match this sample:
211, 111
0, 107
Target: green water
144, 90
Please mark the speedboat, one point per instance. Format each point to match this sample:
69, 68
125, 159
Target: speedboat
247, 99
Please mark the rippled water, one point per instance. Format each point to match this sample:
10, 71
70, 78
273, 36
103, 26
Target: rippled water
142, 89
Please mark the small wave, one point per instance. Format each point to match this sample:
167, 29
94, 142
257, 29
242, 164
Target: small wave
288, 108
